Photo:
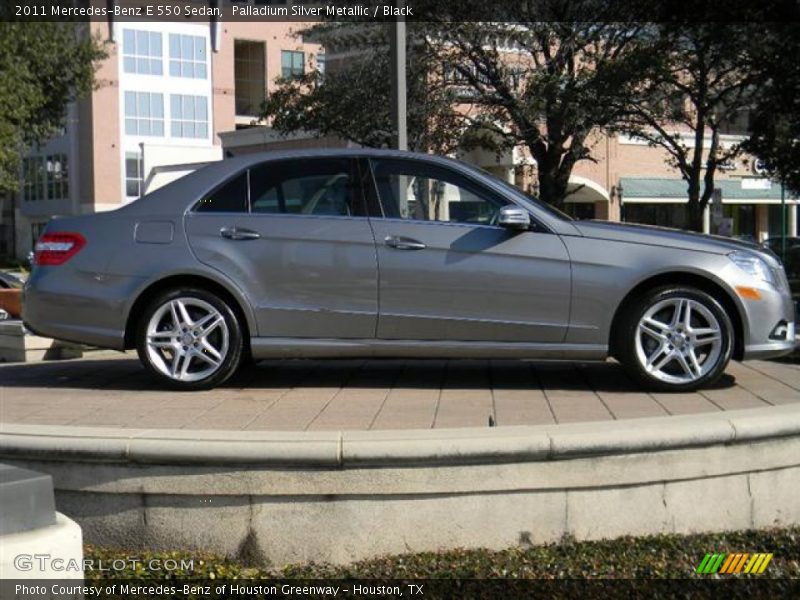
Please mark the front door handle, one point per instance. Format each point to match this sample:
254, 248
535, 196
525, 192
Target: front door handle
237, 233
403, 243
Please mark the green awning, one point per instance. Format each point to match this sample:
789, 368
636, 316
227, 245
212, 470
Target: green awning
675, 189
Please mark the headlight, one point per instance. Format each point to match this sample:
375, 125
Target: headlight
753, 265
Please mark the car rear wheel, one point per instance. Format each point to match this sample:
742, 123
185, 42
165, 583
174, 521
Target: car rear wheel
189, 339
675, 339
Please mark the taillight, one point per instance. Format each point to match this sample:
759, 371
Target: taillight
57, 248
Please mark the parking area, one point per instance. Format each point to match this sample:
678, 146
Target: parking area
108, 389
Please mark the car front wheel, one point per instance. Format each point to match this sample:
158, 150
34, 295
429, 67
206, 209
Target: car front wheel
675, 339
190, 339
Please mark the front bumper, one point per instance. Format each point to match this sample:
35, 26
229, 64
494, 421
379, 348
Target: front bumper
776, 309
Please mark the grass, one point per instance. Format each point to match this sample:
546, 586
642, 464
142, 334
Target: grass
660, 556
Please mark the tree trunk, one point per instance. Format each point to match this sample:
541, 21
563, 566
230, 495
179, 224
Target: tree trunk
695, 212
694, 209
552, 180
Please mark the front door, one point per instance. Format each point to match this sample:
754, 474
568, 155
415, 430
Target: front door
294, 235
447, 272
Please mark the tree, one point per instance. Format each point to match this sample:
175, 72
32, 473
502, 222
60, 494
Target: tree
546, 83
775, 118
701, 83
351, 99
43, 67
549, 83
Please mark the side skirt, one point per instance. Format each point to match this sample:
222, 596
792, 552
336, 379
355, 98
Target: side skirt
365, 348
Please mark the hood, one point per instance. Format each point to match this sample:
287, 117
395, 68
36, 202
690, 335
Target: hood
662, 236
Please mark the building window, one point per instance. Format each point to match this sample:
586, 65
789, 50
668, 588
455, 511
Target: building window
187, 56
45, 178
189, 116
37, 229
141, 52
28, 178
292, 64
144, 113
57, 177
321, 64
134, 178
249, 71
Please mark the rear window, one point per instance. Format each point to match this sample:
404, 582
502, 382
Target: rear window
231, 196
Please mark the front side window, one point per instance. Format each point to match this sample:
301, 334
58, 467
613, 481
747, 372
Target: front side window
141, 52
189, 116
187, 56
421, 192
292, 64
314, 187
144, 114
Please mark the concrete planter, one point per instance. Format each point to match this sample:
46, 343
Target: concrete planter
19, 345
281, 497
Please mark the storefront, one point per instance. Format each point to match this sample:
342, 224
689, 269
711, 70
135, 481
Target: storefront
751, 208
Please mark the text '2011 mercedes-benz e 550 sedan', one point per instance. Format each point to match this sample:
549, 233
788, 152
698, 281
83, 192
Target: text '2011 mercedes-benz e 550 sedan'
373, 253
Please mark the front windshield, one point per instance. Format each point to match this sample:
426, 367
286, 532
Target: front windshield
550, 209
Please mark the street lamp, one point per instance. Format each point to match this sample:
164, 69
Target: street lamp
397, 49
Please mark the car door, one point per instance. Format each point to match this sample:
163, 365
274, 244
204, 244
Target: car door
447, 272
294, 235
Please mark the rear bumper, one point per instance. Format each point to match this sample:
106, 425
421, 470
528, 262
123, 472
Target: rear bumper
75, 308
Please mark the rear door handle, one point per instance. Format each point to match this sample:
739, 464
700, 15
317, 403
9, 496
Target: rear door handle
403, 243
237, 233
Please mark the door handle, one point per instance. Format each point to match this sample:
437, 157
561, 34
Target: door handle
237, 233
403, 243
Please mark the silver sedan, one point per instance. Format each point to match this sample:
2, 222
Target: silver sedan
362, 253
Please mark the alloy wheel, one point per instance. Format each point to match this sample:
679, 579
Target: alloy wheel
187, 339
678, 340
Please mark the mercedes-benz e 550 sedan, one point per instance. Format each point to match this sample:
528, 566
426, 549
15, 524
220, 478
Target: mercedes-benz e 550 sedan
371, 253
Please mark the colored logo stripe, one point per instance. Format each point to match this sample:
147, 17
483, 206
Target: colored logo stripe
758, 563
734, 563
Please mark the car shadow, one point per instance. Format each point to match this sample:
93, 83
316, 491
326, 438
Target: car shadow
127, 375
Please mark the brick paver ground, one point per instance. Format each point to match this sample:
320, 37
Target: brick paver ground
107, 389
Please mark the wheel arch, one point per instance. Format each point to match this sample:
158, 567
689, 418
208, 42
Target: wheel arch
146, 295
706, 284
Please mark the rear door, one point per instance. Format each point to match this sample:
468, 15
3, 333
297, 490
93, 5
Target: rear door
447, 272
294, 235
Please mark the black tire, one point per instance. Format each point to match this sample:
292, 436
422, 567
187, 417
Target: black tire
632, 350
196, 302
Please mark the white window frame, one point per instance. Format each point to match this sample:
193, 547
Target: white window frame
136, 55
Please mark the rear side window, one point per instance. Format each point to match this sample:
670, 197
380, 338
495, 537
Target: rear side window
231, 196
305, 187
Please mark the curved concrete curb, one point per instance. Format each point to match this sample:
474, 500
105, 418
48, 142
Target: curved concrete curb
342, 496
396, 447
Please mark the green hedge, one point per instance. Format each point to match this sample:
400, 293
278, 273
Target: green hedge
661, 556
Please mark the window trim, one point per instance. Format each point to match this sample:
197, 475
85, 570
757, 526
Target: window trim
473, 185
135, 56
360, 208
537, 225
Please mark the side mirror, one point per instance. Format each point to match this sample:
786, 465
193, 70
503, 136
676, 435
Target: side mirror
514, 217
